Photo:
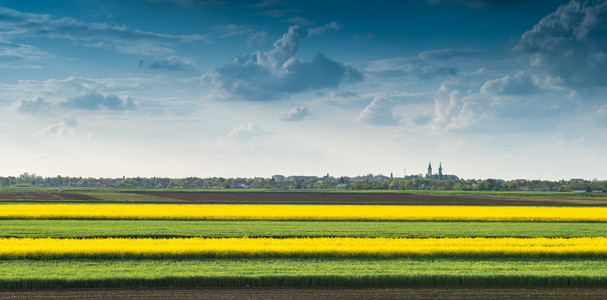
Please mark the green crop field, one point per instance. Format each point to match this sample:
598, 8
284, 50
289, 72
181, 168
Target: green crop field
282, 229
293, 272
298, 272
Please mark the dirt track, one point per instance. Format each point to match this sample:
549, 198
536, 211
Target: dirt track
313, 293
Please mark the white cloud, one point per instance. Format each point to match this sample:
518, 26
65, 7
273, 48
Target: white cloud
64, 127
518, 84
379, 112
320, 30
411, 67
241, 135
569, 44
31, 105
12, 53
448, 54
98, 101
18, 24
276, 73
231, 30
71, 85
454, 110
257, 38
295, 114
174, 63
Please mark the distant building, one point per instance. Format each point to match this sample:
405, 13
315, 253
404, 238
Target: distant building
440, 175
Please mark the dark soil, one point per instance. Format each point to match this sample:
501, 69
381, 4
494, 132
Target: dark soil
313, 293
207, 197
358, 199
45, 197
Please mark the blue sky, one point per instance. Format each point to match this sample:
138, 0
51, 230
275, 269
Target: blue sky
176, 88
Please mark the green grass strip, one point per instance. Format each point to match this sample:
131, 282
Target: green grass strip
292, 272
284, 229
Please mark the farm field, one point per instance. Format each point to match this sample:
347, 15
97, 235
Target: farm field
290, 212
531, 246
304, 197
285, 229
294, 272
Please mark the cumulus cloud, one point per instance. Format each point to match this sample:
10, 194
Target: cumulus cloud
518, 84
18, 24
275, 73
570, 44
244, 132
455, 110
320, 30
97, 102
379, 112
411, 67
173, 63
295, 114
64, 127
31, 105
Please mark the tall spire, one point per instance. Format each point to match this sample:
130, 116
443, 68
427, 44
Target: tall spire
429, 170
440, 171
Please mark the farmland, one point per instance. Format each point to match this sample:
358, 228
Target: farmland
144, 239
286, 229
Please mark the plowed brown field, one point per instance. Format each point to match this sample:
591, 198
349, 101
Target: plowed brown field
244, 197
367, 199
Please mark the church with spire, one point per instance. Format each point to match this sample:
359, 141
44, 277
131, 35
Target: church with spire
440, 175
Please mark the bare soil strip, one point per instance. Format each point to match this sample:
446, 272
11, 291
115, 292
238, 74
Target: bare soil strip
313, 293
364, 199
206, 197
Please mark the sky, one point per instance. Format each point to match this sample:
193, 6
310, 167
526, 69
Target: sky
254, 88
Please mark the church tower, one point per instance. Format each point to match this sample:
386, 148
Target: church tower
440, 171
429, 170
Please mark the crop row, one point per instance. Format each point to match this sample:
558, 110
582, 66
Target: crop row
49, 248
304, 212
284, 229
290, 272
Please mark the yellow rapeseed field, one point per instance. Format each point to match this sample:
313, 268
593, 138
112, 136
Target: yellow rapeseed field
303, 212
44, 248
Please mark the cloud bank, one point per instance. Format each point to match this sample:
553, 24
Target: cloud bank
570, 45
276, 73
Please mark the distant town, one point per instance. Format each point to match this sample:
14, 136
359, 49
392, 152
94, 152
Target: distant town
428, 181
